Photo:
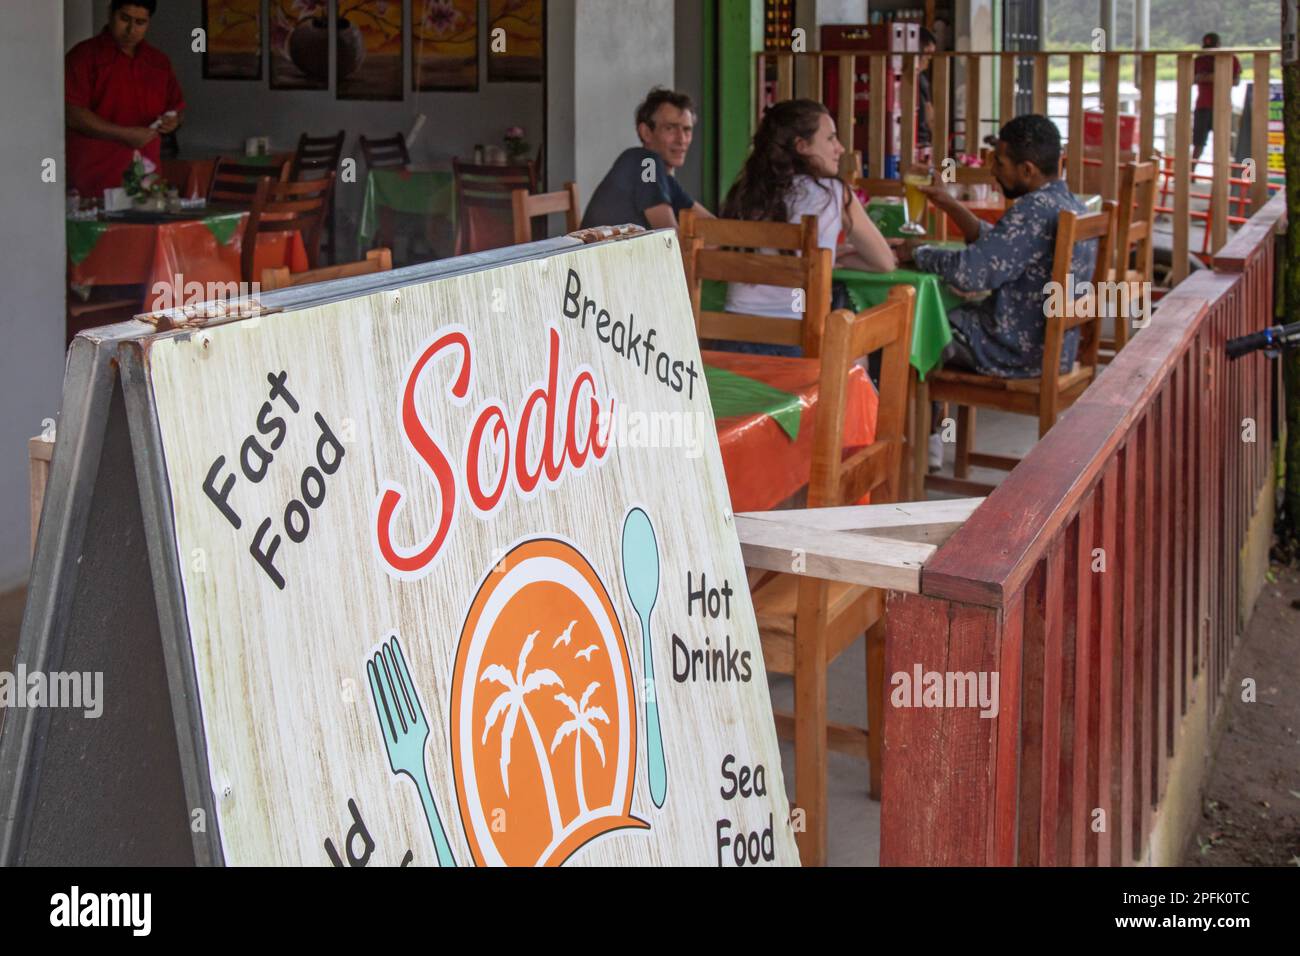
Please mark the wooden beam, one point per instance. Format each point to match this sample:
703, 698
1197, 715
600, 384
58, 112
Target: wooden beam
812, 64
907, 114
1042, 66
1222, 153
942, 112
846, 118
1110, 126
1074, 160
876, 119
1259, 132
1182, 167
927, 522
1146, 106
784, 76
1007, 91
973, 64
791, 547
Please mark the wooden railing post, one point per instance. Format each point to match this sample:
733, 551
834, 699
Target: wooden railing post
907, 111
1182, 167
1110, 125
1074, 161
1259, 132
1222, 151
942, 110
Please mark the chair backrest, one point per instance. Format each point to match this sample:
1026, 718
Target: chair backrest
1071, 230
734, 250
376, 260
1135, 236
527, 207
976, 175
235, 183
316, 155
484, 209
286, 207
1135, 225
388, 153
878, 187
877, 468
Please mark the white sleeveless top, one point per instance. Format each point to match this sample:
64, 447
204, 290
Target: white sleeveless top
823, 198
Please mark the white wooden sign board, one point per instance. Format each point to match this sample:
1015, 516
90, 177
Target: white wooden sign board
417, 627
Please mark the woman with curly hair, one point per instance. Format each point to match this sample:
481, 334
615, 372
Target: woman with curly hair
792, 171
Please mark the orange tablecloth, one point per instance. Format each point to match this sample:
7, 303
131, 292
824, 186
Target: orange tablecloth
147, 254
763, 466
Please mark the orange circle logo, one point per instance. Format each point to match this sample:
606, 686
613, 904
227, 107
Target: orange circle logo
543, 711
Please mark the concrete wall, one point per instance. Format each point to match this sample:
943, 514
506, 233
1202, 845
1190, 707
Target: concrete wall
607, 54
31, 259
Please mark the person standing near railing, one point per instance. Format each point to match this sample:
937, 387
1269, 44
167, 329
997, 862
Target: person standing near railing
1203, 116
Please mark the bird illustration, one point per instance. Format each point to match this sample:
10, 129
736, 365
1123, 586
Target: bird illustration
564, 638
586, 652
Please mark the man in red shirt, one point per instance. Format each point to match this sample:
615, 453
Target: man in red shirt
1203, 115
121, 95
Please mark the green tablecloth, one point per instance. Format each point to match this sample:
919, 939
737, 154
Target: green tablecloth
731, 394
83, 235
887, 214
930, 331
418, 192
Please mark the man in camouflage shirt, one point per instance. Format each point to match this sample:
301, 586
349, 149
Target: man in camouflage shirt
1003, 334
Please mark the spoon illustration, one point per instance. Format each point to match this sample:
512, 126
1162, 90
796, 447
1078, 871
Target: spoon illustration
641, 576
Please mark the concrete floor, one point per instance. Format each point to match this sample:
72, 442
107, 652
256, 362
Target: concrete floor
854, 818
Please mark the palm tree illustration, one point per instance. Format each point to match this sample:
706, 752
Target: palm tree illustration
579, 724
511, 702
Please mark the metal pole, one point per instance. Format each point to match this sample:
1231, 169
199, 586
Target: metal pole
1108, 21
1141, 35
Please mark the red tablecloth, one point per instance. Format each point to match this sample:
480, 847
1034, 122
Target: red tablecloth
763, 466
147, 254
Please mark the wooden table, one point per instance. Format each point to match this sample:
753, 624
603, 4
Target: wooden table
764, 467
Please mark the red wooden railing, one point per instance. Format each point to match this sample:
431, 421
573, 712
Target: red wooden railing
1098, 652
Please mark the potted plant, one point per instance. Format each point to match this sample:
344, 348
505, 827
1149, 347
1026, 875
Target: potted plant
517, 148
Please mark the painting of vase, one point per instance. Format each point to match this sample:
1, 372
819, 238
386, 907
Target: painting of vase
300, 52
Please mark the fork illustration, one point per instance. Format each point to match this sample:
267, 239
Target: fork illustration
406, 731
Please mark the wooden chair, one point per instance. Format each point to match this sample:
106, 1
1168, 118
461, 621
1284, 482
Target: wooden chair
1134, 244
314, 159
484, 208
738, 253
388, 153
376, 260
235, 183
286, 207
804, 622
1052, 392
526, 208
878, 187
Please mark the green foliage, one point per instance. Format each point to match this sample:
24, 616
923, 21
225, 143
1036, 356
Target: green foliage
1175, 24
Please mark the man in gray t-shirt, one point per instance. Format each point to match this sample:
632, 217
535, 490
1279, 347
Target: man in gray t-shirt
640, 187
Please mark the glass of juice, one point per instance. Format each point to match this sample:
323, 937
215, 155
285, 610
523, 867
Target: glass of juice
914, 200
